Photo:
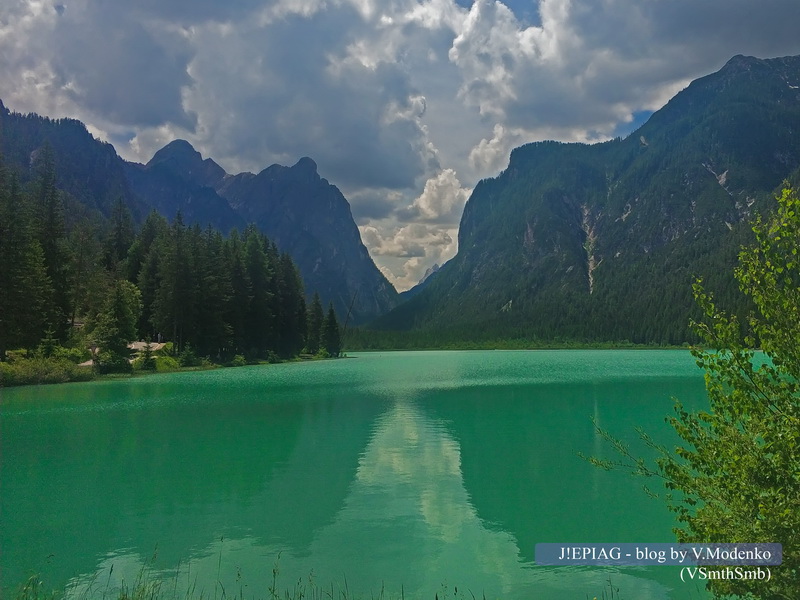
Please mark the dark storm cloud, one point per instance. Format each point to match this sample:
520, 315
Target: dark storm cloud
371, 205
191, 11
291, 91
760, 28
403, 104
113, 66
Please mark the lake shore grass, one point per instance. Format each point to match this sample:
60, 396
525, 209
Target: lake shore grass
37, 370
150, 583
147, 586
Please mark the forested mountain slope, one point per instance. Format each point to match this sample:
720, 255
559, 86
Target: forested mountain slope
301, 212
602, 242
89, 172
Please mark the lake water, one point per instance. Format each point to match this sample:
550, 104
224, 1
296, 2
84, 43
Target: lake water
414, 472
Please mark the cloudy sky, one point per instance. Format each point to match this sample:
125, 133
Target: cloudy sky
403, 104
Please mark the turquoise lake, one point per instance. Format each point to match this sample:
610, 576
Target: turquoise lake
415, 473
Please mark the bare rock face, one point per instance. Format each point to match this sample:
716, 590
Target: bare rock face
301, 212
310, 219
180, 158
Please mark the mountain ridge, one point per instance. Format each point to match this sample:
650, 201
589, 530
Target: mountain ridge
601, 242
303, 213
324, 240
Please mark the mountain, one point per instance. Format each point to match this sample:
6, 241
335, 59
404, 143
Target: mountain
602, 242
428, 272
88, 171
301, 212
183, 161
178, 179
421, 284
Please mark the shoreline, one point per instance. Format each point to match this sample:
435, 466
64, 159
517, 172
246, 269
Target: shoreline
88, 374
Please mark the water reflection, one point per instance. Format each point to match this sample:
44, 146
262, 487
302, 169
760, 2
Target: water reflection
78, 483
406, 522
408, 493
421, 471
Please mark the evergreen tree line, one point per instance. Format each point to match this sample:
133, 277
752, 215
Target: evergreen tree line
222, 296
105, 284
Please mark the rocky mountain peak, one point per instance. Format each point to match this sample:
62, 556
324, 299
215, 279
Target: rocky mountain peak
176, 150
305, 169
428, 272
740, 61
180, 158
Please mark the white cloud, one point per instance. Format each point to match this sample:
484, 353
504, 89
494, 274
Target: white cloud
492, 153
405, 105
485, 51
441, 201
409, 250
28, 81
283, 8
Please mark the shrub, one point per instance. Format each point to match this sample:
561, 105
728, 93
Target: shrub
73, 355
144, 364
8, 375
111, 362
166, 363
238, 361
188, 357
41, 370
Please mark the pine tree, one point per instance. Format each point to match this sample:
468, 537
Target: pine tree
154, 227
331, 336
238, 304
292, 306
143, 267
116, 326
24, 283
175, 299
211, 333
149, 284
148, 362
51, 232
315, 319
260, 321
85, 270
120, 236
